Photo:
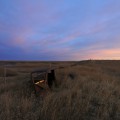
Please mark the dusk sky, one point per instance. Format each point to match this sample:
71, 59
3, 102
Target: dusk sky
59, 29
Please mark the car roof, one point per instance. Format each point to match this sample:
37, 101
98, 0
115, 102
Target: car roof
44, 70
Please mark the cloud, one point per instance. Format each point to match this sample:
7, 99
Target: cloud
59, 30
96, 54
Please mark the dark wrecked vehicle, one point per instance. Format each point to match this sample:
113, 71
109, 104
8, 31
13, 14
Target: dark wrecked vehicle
43, 81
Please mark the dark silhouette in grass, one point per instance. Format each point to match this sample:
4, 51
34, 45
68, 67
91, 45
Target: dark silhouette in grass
51, 79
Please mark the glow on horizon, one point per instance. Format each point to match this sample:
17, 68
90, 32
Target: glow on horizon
59, 30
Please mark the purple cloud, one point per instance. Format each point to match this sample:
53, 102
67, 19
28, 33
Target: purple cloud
59, 30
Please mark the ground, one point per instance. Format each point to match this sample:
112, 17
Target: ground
86, 90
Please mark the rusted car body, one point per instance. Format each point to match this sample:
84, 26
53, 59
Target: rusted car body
43, 80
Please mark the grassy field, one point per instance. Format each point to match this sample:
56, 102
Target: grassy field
87, 90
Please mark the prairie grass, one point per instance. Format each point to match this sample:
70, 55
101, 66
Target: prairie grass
87, 90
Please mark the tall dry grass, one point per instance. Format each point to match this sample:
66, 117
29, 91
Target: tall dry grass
87, 90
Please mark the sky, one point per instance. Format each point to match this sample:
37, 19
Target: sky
59, 30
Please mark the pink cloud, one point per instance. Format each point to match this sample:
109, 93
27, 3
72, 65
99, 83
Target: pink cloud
70, 37
20, 38
97, 54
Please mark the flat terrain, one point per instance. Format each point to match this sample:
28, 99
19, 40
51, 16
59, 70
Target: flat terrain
86, 90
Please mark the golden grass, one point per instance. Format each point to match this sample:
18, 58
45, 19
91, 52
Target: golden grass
88, 90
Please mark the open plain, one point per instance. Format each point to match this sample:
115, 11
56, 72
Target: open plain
86, 90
